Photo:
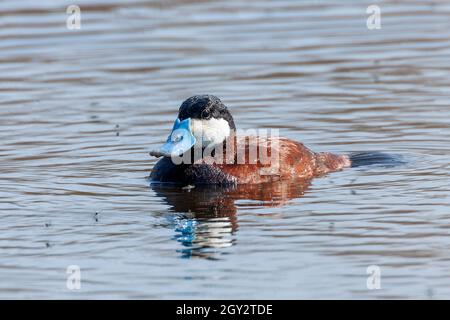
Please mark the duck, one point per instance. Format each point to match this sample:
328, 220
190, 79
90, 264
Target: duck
205, 148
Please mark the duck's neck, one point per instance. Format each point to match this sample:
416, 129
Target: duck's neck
227, 148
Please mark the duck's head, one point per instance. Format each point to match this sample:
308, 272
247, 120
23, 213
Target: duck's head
203, 121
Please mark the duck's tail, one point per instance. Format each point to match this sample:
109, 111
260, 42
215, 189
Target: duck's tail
359, 159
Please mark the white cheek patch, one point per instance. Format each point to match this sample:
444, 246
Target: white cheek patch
210, 132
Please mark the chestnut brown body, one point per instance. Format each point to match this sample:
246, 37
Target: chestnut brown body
266, 160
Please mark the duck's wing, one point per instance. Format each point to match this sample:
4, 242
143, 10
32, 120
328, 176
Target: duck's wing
268, 159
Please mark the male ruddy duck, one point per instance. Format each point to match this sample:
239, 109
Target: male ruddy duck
204, 122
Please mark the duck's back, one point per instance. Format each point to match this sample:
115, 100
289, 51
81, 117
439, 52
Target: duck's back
269, 159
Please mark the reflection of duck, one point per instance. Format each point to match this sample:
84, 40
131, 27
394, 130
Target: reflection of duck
204, 124
208, 220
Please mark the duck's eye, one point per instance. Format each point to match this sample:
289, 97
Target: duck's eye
206, 114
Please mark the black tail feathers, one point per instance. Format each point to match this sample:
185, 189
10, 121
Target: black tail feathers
359, 159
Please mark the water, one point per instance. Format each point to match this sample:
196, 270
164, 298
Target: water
80, 109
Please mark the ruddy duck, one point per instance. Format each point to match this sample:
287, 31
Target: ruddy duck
204, 123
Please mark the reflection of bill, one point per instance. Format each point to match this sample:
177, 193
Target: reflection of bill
208, 222
200, 234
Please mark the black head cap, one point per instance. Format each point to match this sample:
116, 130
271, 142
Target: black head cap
205, 107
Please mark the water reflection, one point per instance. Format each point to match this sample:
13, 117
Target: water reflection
206, 219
